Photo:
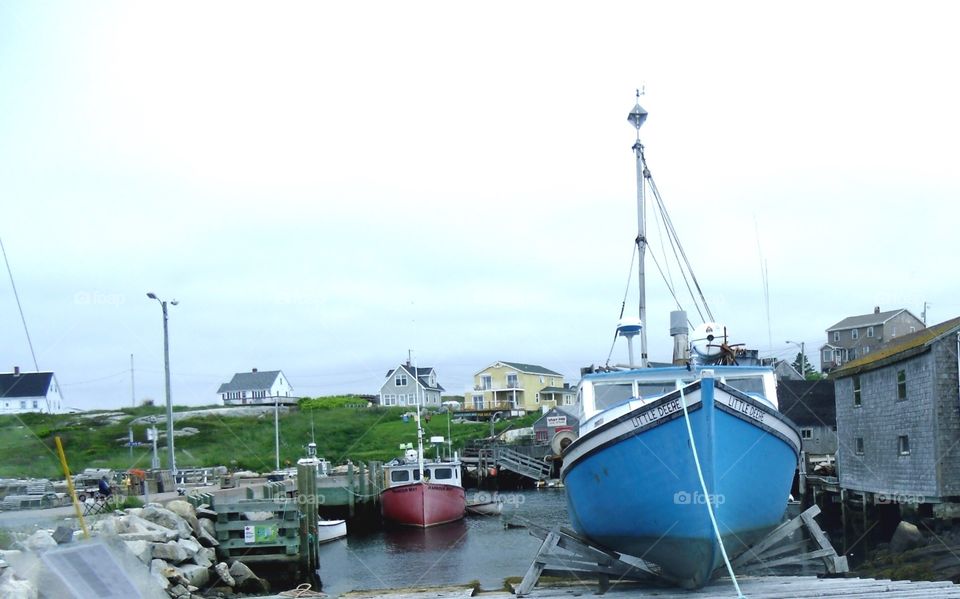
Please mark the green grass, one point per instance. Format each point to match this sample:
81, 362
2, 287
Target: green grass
27, 447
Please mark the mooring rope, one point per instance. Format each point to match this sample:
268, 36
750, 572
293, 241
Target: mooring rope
706, 496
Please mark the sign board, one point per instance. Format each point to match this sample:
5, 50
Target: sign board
260, 534
555, 421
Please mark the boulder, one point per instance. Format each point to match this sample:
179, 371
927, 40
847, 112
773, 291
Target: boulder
170, 552
205, 557
157, 568
12, 587
63, 535
247, 581
185, 510
191, 546
39, 541
179, 591
223, 571
141, 549
205, 513
907, 536
207, 539
167, 519
197, 576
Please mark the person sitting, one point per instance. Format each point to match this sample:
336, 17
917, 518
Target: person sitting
104, 487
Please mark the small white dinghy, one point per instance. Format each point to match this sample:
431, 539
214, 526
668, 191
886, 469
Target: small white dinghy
331, 530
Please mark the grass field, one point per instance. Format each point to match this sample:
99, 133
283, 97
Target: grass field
98, 440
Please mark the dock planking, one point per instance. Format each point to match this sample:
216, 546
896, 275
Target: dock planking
754, 587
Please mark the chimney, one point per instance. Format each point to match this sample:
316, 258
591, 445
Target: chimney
16, 371
254, 370
876, 309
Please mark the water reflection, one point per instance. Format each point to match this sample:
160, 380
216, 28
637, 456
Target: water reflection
473, 549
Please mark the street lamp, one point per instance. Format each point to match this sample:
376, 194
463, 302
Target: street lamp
803, 358
171, 460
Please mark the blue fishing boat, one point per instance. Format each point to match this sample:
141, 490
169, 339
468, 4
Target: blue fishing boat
685, 464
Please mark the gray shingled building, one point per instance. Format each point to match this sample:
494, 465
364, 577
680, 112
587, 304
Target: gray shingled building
898, 420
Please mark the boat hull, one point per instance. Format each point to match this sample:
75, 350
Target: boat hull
423, 504
331, 530
632, 484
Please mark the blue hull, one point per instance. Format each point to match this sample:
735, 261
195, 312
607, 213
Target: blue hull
632, 484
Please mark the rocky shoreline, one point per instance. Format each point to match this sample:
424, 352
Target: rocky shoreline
168, 549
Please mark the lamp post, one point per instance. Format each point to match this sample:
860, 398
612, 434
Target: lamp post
803, 358
171, 460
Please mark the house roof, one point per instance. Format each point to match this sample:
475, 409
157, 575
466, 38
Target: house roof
867, 320
25, 384
422, 374
529, 368
808, 403
898, 349
245, 381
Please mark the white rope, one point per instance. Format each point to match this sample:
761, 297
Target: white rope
706, 496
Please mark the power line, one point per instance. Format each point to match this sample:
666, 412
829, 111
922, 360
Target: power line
19, 307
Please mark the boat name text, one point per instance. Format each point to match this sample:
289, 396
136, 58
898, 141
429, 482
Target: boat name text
747, 409
657, 413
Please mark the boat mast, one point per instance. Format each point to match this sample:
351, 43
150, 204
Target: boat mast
637, 117
416, 380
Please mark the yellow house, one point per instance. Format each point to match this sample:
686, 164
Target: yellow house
515, 386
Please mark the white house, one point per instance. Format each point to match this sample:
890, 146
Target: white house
257, 388
407, 384
22, 392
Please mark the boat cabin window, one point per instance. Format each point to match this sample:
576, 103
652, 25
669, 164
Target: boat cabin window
652, 390
416, 475
399, 476
611, 394
442, 473
752, 385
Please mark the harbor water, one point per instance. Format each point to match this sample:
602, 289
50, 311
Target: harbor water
477, 548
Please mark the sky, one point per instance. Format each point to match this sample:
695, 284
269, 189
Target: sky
326, 186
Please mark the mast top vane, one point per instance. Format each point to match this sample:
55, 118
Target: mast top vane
638, 115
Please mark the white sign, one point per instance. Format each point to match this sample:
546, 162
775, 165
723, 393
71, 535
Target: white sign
555, 421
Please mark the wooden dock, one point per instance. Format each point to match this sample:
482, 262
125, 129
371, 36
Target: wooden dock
753, 587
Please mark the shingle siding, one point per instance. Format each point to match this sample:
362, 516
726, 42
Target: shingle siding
929, 416
948, 414
879, 421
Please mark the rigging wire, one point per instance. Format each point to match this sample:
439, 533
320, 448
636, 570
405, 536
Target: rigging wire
19, 307
675, 243
623, 305
683, 254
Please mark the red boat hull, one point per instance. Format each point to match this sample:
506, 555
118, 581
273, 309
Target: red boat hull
423, 504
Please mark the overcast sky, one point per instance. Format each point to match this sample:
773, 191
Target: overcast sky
324, 186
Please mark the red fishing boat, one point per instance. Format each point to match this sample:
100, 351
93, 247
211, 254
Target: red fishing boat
422, 493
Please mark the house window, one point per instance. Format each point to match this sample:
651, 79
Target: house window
903, 445
35, 405
855, 333
541, 380
869, 331
866, 349
512, 381
853, 354
23, 404
806, 433
537, 399
486, 382
401, 380
859, 445
901, 385
477, 402
828, 355
836, 336
856, 392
